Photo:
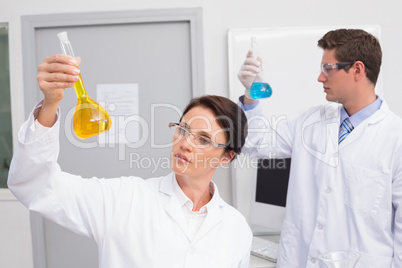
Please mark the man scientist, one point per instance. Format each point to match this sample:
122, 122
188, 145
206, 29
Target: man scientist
345, 185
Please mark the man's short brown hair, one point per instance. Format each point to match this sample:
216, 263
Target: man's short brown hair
355, 45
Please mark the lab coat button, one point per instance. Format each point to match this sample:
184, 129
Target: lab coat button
313, 260
320, 226
328, 190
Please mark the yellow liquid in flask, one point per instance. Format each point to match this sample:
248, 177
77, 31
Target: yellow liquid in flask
89, 118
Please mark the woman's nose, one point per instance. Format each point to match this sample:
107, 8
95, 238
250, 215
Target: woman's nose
186, 142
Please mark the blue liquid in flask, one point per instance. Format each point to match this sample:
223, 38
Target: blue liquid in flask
260, 90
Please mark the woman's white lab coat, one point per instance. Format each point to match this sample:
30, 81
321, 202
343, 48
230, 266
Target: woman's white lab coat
339, 197
135, 222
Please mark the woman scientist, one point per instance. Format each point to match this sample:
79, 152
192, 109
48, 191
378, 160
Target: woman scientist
174, 221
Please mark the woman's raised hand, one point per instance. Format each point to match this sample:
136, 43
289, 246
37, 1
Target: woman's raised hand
55, 74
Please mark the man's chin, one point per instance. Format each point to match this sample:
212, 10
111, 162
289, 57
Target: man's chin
331, 98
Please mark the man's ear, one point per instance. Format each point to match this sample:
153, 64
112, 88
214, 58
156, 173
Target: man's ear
359, 70
227, 157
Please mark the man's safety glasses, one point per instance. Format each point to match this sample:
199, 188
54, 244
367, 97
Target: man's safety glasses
329, 68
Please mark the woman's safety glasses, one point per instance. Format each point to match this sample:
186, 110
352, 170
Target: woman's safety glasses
199, 141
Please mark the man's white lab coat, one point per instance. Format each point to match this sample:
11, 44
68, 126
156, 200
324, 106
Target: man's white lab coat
136, 223
339, 197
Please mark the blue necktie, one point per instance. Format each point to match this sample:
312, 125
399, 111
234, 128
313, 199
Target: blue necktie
344, 130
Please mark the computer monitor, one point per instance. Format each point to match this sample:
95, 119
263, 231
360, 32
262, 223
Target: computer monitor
269, 196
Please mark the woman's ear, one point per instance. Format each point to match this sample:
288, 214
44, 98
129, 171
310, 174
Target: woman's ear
227, 157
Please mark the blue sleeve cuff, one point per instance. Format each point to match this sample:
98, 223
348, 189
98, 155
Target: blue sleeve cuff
247, 107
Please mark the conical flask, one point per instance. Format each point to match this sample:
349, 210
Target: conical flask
340, 259
89, 118
260, 88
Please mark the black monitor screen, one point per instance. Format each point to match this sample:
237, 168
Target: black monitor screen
272, 181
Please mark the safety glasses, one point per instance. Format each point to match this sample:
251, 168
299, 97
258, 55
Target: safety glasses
329, 68
200, 141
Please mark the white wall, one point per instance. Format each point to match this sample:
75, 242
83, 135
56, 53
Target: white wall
15, 233
218, 17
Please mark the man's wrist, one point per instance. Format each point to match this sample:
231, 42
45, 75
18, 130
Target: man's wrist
245, 106
247, 99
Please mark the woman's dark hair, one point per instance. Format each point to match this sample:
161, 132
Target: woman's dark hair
229, 117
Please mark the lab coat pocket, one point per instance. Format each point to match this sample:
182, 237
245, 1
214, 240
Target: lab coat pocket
373, 261
364, 189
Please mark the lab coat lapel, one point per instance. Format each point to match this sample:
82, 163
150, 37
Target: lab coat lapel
361, 128
353, 136
213, 218
171, 204
332, 114
325, 131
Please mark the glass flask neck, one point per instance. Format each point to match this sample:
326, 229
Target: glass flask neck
80, 88
254, 47
68, 50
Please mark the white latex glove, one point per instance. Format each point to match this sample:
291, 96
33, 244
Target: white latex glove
248, 71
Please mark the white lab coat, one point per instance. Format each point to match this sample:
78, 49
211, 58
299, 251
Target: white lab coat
339, 197
136, 223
